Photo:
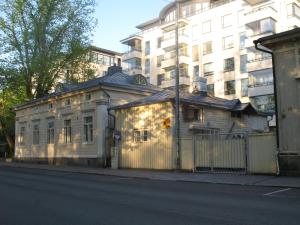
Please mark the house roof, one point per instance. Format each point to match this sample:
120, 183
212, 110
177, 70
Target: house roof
103, 50
279, 37
115, 80
200, 99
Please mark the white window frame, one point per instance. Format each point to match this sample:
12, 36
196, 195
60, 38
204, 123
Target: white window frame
231, 43
67, 131
22, 136
205, 24
35, 133
50, 132
141, 135
225, 18
88, 129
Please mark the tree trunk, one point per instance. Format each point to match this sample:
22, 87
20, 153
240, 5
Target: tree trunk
10, 142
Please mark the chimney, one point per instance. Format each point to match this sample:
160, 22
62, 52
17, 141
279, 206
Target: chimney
114, 69
200, 86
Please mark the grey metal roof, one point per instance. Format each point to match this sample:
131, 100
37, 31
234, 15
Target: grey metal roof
117, 80
200, 99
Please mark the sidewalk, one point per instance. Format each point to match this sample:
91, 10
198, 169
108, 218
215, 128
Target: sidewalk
254, 180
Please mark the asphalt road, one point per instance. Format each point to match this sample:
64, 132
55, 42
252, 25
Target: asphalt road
32, 196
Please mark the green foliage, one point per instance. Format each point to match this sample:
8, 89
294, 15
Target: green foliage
40, 38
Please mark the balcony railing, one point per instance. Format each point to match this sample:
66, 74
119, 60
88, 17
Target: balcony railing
259, 59
261, 84
133, 50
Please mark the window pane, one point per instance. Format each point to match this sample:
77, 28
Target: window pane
243, 63
229, 64
206, 27
244, 84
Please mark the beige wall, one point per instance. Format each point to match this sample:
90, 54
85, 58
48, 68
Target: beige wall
157, 152
40, 114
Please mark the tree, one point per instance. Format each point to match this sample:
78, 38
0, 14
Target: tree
40, 38
12, 92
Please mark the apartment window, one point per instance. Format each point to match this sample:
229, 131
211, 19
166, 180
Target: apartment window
159, 40
244, 85
211, 89
159, 60
36, 134
88, 130
208, 69
147, 66
243, 38
50, 132
67, 102
243, 63
229, 64
140, 135
196, 71
264, 103
228, 42
88, 97
22, 135
261, 78
50, 106
267, 25
206, 27
293, 10
195, 32
160, 79
195, 53
207, 47
67, 131
147, 48
230, 87
227, 20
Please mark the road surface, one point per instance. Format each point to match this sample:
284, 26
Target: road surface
42, 197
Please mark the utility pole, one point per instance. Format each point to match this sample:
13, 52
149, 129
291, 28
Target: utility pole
177, 97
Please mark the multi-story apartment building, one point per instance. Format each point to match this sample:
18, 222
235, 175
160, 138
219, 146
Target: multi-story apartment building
215, 41
97, 62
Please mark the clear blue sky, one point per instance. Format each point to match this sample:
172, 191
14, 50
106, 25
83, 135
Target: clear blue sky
117, 20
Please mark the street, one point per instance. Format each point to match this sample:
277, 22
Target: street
41, 197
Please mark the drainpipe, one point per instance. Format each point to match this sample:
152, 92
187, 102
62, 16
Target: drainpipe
256, 42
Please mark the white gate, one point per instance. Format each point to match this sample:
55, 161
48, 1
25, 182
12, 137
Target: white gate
220, 152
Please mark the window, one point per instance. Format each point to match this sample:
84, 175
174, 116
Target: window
293, 10
243, 38
244, 85
50, 106
22, 135
88, 130
267, 25
159, 40
88, 97
140, 135
261, 78
67, 131
193, 115
208, 69
147, 48
230, 87
227, 20
160, 79
207, 47
195, 53
206, 27
159, 60
36, 134
196, 71
228, 42
243, 63
211, 89
50, 132
264, 103
67, 102
229, 64
147, 66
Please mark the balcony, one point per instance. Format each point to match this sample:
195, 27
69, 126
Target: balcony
132, 53
183, 80
170, 62
255, 2
260, 14
266, 88
133, 70
168, 43
169, 26
249, 41
259, 64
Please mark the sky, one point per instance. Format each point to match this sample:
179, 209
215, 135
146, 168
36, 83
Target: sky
117, 20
